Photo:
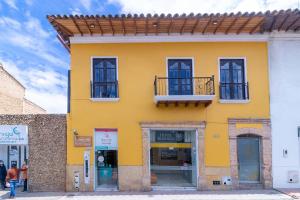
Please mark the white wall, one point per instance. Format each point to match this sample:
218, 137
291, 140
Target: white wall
284, 63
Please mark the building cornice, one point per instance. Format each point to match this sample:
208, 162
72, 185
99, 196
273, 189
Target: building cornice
163, 38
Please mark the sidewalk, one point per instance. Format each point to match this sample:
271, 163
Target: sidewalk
293, 192
159, 195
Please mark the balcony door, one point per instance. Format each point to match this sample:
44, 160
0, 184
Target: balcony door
232, 79
180, 76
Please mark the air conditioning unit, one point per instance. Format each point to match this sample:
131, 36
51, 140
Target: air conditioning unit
293, 176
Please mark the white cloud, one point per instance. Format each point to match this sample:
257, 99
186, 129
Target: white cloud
33, 38
75, 11
86, 4
11, 3
7, 21
29, 2
52, 102
46, 88
201, 6
33, 25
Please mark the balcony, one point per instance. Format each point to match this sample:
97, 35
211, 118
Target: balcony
194, 90
104, 90
234, 92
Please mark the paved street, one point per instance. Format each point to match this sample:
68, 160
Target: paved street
157, 195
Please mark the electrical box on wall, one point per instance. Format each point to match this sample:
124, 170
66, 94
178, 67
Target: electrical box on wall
226, 180
285, 153
86, 167
76, 180
293, 176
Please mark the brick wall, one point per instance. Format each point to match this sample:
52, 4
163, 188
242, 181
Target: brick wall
10, 105
9, 85
12, 94
31, 108
47, 149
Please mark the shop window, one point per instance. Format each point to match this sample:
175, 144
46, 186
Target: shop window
173, 158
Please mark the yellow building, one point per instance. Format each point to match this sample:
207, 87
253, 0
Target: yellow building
167, 102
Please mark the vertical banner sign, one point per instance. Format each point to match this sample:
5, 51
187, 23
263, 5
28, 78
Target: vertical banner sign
106, 139
13, 134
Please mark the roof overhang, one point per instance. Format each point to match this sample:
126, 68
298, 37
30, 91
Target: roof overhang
207, 25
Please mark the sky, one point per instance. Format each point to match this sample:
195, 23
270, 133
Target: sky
30, 51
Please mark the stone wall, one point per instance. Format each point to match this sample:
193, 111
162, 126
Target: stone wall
47, 149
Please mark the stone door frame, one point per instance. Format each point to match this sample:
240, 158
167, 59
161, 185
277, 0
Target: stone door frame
266, 148
198, 126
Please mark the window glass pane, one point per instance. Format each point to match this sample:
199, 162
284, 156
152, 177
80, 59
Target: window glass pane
237, 73
104, 78
232, 79
180, 76
172, 158
224, 72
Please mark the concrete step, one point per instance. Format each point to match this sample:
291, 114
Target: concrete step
250, 186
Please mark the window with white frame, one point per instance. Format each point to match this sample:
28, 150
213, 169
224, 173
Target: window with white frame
104, 82
233, 85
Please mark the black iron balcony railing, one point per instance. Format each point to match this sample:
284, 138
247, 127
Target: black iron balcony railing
184, 86
234, 91
104, 89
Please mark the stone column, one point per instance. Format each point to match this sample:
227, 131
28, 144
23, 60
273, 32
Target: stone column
146, 179
201, 159
267, 157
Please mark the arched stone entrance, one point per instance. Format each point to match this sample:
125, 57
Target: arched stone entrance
259, 128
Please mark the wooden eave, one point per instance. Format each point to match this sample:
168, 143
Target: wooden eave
226, 23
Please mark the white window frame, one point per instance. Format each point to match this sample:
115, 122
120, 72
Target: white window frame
233, 101
117, 78
167, 70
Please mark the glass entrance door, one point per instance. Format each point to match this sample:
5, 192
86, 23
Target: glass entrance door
248, 150
173, 158
106, 168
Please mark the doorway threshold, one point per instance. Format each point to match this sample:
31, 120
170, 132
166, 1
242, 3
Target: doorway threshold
106, 189
170, 188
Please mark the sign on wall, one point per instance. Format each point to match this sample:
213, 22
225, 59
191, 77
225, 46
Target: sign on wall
106, 139
13, 134
82, 141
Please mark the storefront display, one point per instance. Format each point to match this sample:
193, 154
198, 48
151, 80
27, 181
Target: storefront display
173, 158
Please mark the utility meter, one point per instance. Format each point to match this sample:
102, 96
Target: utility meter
76, 180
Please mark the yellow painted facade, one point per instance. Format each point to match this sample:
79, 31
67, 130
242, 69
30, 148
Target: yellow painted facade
138, 63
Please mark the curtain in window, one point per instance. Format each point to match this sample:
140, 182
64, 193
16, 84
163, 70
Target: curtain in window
104, 78
232, 79
180, 77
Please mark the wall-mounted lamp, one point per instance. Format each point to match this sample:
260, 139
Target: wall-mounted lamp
155, 24
75, 132
92, 25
